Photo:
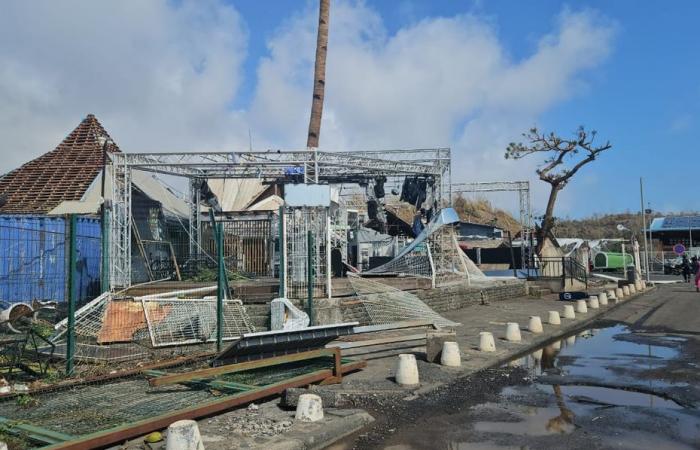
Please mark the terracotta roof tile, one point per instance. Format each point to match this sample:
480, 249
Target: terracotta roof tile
64, 173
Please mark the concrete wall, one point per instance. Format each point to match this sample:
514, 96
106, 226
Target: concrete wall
447, 298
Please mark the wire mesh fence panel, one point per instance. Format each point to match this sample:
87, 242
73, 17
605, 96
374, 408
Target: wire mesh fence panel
451, 265
668, 262
38, 276
190, 321
248, 243
33, 256
384, 304
438, 257
298, 224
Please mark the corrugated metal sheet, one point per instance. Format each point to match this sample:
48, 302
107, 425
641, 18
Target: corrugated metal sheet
33, 259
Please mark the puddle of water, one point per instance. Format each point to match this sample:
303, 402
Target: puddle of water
617, 397
597, 353
533, 421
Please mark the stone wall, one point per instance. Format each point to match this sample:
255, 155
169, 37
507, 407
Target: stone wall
446, 298
449, 298
441, 299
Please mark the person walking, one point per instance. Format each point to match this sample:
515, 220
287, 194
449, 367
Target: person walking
696, 270
685, 269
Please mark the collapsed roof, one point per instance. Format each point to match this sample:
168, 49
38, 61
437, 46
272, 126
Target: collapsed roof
68, 179
63, 174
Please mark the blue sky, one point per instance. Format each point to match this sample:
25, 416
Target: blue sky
200, 75
645, 98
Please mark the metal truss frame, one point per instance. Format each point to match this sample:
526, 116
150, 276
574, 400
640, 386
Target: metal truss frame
523, 190
120, 222
311, 167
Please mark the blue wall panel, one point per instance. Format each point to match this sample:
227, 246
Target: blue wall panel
33, 260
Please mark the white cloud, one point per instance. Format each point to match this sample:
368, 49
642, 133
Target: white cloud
161, 76
443, 81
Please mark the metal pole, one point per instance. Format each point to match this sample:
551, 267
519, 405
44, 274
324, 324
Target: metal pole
105, 249
220, 294
329, 282
72, 294
644, 225
690, 237
310, 275
282, 252
512, 255
651, 243
624, 261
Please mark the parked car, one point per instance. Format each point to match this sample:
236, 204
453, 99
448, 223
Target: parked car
673, 266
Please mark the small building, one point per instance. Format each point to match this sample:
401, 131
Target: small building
673, 230
37, 197
478, 231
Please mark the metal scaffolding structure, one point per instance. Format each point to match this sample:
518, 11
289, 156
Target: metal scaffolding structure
523, 190
273, 166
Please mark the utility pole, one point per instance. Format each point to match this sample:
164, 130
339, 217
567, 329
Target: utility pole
644, 225
690, 235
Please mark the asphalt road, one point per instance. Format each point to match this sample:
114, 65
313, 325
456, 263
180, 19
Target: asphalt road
631, 381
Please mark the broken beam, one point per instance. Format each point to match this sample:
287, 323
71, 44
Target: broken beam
240, 367
125, 432
34, 433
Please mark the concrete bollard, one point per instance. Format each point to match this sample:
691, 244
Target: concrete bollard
3, 446
513, 332
638, 286
554, 318
619, 294
535, 325
633, 290
309, 408
611, 294
184, 435
407, 370
486, 342
571, 340
593, 302
556, 345
450, 356
581, 307
569, 312
537, 354
603, 299
626, 291
644, 285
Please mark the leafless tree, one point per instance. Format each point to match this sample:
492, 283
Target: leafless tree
319, 75
564, 158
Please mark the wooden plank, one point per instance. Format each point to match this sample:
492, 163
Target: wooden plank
125, 432
394, 326
114, 376
240, 367
177, 268
380, 341
141, 427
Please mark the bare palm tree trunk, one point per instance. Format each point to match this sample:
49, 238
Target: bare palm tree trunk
319, 75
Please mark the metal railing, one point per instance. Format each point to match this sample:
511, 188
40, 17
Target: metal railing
561, 268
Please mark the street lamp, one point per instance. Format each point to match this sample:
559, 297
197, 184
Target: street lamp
644, 226
621, 228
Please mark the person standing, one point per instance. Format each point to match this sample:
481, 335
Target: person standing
696, 270
685, 269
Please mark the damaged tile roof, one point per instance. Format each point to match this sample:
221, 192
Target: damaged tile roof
64, 173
